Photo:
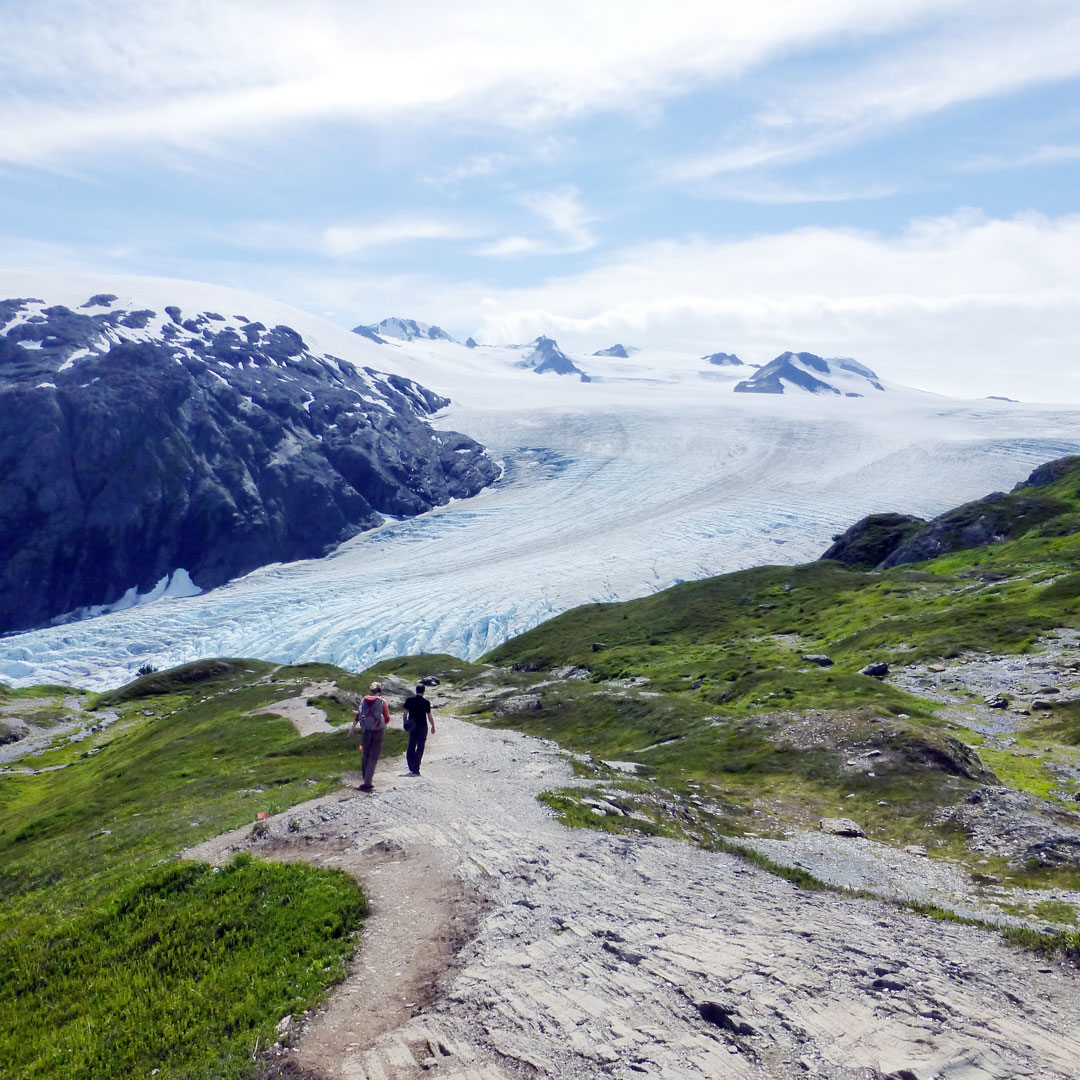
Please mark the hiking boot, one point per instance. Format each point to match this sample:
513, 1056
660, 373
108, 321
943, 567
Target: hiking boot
366, 787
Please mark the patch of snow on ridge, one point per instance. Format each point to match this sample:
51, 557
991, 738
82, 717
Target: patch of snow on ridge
176, 585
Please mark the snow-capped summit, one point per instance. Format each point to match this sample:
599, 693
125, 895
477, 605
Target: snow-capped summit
618, 351
404, 330
812, 374
545, 355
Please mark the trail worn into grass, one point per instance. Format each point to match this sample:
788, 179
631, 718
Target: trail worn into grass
503, 945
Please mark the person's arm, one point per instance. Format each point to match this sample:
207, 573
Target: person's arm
385, 714
431, 720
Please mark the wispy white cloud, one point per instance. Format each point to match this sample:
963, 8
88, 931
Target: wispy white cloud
1022, 159
566, 221
978, 55
183, 73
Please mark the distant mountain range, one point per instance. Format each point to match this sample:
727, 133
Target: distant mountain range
799, 372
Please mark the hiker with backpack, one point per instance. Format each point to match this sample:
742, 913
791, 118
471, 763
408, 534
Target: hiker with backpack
415, 719
373, 717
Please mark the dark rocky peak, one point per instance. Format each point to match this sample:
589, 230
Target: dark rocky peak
405, 330
136, 444
470, 343
614, 350
810, 372
999, 397
101, 299
545, 355
723, 359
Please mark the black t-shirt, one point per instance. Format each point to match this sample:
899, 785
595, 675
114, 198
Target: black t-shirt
418, 708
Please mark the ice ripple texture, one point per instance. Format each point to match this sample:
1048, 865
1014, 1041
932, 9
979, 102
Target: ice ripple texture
596, 504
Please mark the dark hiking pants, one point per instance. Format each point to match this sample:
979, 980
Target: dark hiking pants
372, 743
417, 739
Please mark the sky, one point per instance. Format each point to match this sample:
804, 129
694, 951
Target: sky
895, 181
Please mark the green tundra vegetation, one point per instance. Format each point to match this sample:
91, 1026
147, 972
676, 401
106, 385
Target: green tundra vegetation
117, 958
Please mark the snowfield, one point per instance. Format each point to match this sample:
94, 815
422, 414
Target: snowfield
652, 473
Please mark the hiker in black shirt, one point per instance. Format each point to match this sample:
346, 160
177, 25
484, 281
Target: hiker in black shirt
416, 717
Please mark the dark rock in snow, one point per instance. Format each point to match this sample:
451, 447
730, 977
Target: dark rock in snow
470, 343
806, 371
208, 447
545, 355
613, 350
724, 359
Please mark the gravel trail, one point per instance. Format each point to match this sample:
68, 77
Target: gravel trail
593, 955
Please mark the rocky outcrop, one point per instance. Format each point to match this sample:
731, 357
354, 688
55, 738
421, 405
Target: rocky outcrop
545, 356
134, 444
813, 374
724, 359
614, 350
873, 539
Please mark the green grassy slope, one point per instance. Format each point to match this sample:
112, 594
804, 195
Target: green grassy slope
118, 960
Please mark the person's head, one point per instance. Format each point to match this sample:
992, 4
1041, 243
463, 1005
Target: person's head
420, 688
376, 688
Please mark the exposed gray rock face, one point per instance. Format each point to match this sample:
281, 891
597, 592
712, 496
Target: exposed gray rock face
809, 372
404, 330
724, 359
133, 445
545, 355
613, 350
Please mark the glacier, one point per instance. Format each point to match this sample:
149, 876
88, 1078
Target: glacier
653, 472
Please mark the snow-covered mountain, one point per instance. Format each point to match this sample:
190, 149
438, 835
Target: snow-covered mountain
404, 330
545, 356
804, 371
652, 473
614, 350
151, 450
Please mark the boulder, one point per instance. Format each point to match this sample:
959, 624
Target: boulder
841, 827
819, 659
875, 671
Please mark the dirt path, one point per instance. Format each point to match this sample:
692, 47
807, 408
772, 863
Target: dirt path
596, 955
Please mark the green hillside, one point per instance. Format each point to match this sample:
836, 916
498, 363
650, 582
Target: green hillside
120, 961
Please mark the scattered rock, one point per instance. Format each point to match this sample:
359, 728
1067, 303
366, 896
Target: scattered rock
875, 671
817, 658
996, 701
841, 827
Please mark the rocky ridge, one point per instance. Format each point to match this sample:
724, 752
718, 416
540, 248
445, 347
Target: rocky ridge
806, 371
135, 444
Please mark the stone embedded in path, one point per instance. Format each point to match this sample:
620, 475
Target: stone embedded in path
841, 826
